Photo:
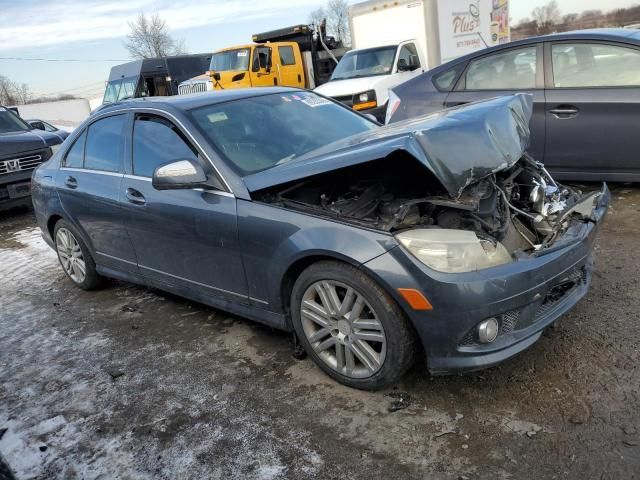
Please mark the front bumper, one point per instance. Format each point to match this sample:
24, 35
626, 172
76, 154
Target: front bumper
526, 296
15, 189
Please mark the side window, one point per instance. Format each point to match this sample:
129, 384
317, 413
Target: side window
105, 141
444, 81
261, 58
511, 70
73, 159
408, 58
595, 65
286, 55
157, 142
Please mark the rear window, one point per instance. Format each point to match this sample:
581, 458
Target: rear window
286, 56
444, 81
75, 154
104, 147
260, 132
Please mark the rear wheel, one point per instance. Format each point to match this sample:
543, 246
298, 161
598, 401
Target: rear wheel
74, 257
350, 326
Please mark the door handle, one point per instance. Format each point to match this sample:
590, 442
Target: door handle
134, 196
565, 111
71, 182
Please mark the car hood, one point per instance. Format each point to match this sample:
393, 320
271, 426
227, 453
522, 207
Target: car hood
15, 143
350, 86
460, 146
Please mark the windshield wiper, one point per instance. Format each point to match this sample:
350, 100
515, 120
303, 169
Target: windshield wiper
285, 159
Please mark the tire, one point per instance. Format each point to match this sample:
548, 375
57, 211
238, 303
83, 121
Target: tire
362, 339
70, 247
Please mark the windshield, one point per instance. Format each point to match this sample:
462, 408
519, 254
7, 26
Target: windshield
365, 63
230, 60
10, 122
260, 132
119, 89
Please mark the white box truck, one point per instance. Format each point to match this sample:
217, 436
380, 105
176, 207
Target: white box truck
395, 40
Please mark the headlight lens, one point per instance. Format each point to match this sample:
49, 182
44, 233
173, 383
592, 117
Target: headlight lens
453, 251
364, 100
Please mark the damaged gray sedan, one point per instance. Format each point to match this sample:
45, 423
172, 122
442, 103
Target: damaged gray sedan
439, 234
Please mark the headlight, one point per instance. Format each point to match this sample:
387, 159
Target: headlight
364, 100
453, 251
55, 148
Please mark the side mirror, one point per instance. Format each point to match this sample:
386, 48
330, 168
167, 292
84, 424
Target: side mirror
180, 174
38, 125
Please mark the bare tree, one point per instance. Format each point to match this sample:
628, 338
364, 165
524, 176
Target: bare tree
150, 38
317, 16
338, 20
13, 93
546, 16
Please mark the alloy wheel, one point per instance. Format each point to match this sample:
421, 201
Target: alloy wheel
70, 255
343, 329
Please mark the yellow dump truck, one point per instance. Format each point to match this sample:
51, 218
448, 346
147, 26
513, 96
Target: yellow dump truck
293, 57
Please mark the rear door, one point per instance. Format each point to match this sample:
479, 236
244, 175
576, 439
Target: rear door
288, 63
593, 110
183, 238
89, 187
505, 72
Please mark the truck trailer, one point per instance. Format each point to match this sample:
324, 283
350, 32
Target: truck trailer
394, 41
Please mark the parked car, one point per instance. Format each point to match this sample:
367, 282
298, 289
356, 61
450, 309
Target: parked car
369, 242
47, 127
586, 90
21, 151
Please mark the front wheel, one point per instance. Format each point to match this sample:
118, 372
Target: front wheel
350, 326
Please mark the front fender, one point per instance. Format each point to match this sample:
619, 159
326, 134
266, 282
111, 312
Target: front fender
272, 239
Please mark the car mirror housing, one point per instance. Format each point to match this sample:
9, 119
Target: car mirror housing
181, 174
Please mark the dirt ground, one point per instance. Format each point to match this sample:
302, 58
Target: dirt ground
130, 383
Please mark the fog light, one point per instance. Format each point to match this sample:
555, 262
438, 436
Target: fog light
488, 330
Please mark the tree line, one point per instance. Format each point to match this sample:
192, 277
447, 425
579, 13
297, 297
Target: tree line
549, 19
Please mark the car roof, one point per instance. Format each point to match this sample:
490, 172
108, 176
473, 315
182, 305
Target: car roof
604, 34
195, 100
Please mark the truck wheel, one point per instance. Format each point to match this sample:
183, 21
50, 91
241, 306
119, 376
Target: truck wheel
75, 258
351, 327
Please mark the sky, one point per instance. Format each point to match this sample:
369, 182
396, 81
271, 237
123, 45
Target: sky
95, 30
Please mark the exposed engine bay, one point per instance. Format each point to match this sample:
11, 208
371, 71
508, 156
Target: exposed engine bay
521, 207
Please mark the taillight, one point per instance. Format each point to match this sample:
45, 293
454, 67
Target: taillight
392, 106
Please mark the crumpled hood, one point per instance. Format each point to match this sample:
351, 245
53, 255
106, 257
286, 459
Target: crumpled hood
15, 143
459, 146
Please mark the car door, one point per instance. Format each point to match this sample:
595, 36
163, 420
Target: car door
593, 107
289, 66
505, 72
88, 184
183, 238
262, 75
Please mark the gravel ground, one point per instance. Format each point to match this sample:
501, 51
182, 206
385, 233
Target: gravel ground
130, 383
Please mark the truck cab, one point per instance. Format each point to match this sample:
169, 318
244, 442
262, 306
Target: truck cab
363, 76
291, 57
252, 65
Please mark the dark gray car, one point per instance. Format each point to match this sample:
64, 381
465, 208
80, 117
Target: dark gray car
371, 243
586, 91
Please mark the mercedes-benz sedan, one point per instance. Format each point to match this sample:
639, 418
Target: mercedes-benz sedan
371, 243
